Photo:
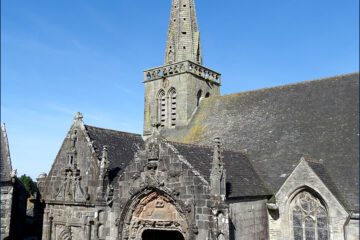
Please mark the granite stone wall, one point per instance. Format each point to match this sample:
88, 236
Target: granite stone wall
187, 86
352, 230
166, 179
6, 207
249, 220
303, 179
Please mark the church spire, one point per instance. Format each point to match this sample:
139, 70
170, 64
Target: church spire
183, 41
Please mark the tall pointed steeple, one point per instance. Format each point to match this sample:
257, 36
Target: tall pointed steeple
183, 41
174, 91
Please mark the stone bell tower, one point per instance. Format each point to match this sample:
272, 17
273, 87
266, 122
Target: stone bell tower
174, 90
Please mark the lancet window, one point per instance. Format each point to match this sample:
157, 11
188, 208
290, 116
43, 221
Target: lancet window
309, 217
198, 97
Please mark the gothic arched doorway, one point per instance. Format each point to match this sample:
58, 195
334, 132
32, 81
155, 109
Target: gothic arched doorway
152, 214
151, 234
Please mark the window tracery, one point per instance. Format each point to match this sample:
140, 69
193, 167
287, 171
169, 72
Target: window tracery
309, 218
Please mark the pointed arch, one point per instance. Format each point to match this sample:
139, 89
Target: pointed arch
172, 106
156, 210
161, 108
308, 215
65, 235
170, 56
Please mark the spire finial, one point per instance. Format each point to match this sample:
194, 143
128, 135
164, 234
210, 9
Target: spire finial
78, 116
217, 174
217, 151
104, 163
156, 126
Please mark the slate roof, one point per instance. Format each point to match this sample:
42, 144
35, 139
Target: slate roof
319, 169
279, 125
5, 156
121, 147
241, 178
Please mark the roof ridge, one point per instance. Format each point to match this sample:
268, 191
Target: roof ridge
319, 161
112, 130
207, 146
284, 85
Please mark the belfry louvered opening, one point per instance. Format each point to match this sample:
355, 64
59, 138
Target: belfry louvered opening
161, 108
172, 96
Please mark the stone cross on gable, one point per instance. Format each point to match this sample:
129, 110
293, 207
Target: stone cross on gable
78, 116
156, 126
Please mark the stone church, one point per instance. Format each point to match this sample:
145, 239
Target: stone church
13, 195
278, 163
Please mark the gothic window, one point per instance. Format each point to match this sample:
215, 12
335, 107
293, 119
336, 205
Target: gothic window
309, 218
172, 96
100, 231
161, 108
70, 160
198, 98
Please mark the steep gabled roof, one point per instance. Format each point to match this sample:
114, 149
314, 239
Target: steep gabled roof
6, 167
277, 126
242, 180
318, 167
121, 147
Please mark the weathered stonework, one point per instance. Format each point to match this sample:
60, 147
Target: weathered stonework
6, 206
305, 179
249, 219
13, 195
174, 91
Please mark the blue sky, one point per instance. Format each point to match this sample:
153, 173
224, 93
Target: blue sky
60, 57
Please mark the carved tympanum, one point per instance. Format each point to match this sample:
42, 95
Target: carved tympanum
152, 211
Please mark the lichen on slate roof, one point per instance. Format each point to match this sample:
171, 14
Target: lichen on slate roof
279, 125
241, 178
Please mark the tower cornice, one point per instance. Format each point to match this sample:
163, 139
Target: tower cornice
182, 67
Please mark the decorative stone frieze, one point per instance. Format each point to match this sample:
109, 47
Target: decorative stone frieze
182, 67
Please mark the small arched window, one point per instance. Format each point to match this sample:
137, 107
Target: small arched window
198, 98
309, 217
207, 95
161, 107
100, 231
171, 56
172, 96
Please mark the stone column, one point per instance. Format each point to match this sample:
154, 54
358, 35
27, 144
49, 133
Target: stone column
88, 231
46, 226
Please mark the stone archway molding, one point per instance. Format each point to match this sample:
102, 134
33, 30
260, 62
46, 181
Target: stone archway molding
153, 209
